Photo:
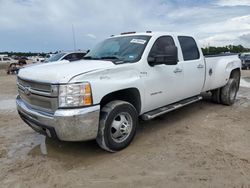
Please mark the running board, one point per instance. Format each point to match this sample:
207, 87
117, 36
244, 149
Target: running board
159, 111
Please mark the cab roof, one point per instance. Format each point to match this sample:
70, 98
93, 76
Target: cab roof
149, 33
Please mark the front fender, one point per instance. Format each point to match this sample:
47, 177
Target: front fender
107, 81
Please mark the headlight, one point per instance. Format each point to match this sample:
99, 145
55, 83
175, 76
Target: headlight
75, 95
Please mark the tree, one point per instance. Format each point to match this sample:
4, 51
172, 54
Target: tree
211, 50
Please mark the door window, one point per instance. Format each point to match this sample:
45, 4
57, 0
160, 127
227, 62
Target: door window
160, 46
70, 57
80, 55
189, 48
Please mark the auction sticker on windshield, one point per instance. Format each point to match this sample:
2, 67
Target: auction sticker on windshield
138, 41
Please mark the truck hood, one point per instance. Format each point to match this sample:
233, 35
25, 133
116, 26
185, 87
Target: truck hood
62, 71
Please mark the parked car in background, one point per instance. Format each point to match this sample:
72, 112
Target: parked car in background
5, 61
70, 56
23, 58
37, 59
245, 60
14, 67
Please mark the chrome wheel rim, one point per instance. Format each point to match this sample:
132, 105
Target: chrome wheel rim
121, 127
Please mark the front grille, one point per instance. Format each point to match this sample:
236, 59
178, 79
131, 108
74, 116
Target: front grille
35, 85
40, 96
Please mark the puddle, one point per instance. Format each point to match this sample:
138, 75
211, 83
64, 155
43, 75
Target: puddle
69, 154
245, 82
19, 150
62, 150
7, 104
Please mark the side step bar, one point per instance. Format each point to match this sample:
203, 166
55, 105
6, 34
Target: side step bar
159, 111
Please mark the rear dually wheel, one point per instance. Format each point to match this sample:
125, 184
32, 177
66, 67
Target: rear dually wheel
229, 92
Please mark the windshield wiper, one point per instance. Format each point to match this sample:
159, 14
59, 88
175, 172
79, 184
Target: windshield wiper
90, 57
109, 57
114, 58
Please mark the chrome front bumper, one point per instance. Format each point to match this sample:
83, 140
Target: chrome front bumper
66, 124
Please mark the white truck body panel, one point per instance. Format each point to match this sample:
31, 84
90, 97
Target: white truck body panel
61, 71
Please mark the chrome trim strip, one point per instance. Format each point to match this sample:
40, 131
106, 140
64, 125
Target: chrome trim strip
169, 108
35, 81
35, 91
21, 105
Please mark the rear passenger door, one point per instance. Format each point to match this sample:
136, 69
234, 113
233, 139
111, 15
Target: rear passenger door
193, 67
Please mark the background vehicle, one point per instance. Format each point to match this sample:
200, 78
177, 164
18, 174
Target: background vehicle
124, 77
37, 59
70, 56
13, 68
245, 60
5, 61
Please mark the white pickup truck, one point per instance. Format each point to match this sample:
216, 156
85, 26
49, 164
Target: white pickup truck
125, 77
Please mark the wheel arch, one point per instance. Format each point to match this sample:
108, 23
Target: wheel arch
131, 95
236, 74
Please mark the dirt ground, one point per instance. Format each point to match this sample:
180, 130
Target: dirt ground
201, 145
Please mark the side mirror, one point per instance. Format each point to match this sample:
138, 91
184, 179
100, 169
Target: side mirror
169, 58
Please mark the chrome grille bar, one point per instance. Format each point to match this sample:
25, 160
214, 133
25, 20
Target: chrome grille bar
37, 92
41, 96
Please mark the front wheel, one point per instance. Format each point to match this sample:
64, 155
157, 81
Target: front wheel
117, 127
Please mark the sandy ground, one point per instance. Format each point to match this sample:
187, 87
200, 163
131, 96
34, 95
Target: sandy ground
201, 145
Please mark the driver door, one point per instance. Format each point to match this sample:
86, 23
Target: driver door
162, 84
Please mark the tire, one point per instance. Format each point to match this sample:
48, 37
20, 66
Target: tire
216, 94
229, 92
117, 127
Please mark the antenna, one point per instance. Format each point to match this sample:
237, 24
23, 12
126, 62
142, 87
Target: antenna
74, 37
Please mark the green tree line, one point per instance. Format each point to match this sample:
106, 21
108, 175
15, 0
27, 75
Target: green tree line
25, 54
211, 50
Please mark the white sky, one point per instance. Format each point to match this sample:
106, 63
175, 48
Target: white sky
46, 25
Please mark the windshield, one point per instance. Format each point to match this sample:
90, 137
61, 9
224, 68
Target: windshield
247, 57
55, 57
120, 49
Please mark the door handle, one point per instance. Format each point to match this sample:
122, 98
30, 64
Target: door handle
200, 66
177, 70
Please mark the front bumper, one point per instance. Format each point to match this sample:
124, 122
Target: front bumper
65, 124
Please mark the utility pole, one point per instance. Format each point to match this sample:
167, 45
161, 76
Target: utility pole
74, 37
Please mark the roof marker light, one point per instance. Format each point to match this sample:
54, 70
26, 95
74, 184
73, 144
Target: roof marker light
131, 32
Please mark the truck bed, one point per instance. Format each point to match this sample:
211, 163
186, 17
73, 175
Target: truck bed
216, 65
